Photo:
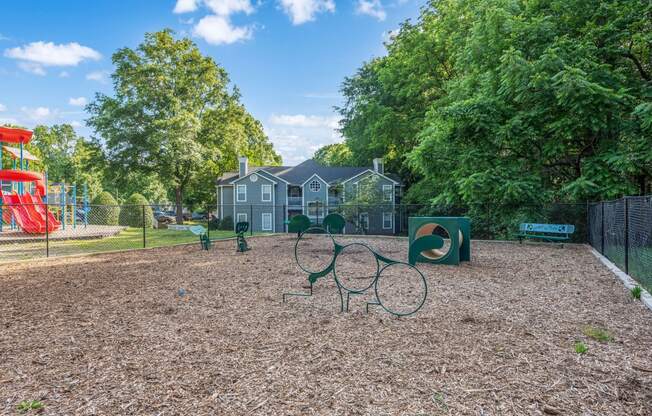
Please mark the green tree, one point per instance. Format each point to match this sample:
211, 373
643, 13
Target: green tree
337, 154
164, 116
135, 210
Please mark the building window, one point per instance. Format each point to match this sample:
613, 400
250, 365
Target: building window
267, 221
388, 219
364, 220
314, 186
253, 178
242, 217
387, 192
267, 193
315, 209
242, 193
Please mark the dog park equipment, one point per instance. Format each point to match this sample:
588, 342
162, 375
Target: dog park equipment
206, 243
547, 232
298, 224
426, 243
240, 230
334, 223
383, 268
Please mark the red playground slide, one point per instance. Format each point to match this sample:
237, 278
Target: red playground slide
35, 201
21, 215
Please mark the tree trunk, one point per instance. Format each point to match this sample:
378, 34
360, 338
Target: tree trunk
178, 196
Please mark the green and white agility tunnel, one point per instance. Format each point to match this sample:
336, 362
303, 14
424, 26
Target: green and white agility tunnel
431, 232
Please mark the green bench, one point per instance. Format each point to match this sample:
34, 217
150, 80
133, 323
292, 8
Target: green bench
547, 232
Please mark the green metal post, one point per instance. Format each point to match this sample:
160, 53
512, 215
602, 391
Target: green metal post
208, 224
626, 202
74, 205
144, 232
251, 220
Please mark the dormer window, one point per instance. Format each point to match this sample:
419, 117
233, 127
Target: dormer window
314, 186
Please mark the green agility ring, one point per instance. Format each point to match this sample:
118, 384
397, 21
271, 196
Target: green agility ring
338, 279
424, 292
302, 237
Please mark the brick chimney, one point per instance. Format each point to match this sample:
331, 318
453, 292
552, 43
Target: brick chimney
378, 166
244, 166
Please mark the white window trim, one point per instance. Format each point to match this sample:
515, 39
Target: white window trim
366, 215
237, 192
262, 221
391, 192
391, 221
262, 192
238, 217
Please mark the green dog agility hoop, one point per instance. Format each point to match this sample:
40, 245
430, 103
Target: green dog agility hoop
345, 291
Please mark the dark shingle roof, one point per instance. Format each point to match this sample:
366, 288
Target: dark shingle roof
297, 175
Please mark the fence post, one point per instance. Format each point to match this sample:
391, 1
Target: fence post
602, 228
144, 233
251, 219
626, 202
285, 219
47, 232
208, 224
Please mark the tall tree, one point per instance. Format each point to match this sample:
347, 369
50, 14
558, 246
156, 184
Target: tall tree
161, 119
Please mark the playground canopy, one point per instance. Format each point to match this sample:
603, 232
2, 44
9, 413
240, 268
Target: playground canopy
14, 153
11, 135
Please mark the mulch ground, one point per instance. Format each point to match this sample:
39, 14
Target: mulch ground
110, 334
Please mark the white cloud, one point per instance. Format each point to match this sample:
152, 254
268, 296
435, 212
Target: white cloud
302, 11
32, 68
64, 74
99, 76
185, 6
373, 8
297, 136
3, 37
38, 113
78, 102
50, 54
76, 124
301, 120
229, 7
218, 30
3, 108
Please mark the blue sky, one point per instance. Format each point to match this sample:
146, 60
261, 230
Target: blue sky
288, 57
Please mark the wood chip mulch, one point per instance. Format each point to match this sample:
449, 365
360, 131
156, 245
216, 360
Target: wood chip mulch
180, 331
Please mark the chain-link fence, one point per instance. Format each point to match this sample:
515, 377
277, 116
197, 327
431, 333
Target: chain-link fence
29, 231
622, 231
74, 229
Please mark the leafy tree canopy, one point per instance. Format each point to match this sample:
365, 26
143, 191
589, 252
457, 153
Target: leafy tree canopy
510, 103
172, 115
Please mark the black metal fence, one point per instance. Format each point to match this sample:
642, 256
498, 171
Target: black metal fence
77, 229
621, 230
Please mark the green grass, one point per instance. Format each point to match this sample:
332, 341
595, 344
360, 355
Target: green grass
27, 405
129, 239
581, 348
598, 334
636, 292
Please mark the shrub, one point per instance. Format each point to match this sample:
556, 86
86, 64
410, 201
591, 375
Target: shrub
227, 223
131, 214
636, 292
104, 210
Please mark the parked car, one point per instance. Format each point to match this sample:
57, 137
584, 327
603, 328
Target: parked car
198, 216
163, 217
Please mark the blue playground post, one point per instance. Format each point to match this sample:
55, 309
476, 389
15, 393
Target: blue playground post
86, 207
62, 203
74, 205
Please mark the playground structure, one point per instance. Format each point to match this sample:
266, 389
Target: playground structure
381, 269
334, 223
427, 243
28, 207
